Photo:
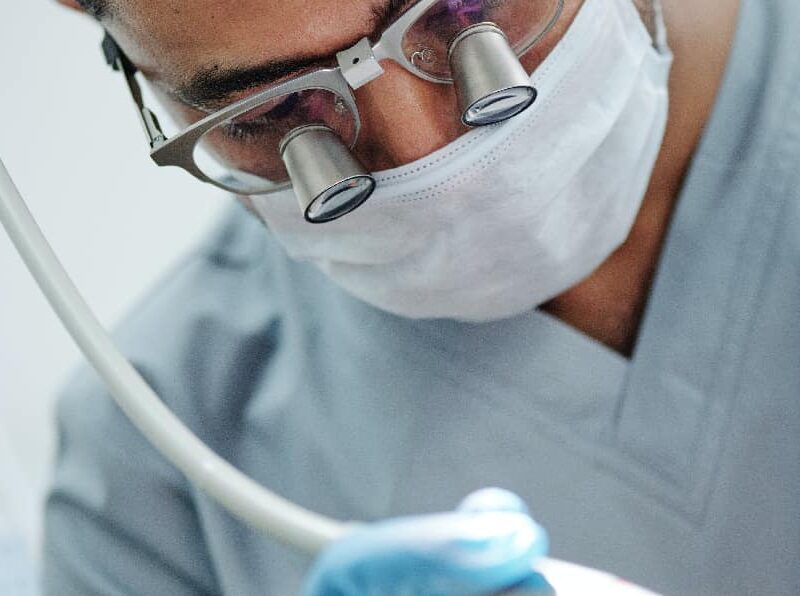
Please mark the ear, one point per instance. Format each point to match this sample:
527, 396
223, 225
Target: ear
73, 4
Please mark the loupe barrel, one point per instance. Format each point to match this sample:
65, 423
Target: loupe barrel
491, 84
328, 180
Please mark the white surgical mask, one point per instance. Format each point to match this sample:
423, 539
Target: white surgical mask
508, 216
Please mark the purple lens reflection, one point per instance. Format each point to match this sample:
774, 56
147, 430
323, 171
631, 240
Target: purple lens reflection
465, 10
427, 41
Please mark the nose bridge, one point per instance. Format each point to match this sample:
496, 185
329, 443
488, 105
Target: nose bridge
404, 118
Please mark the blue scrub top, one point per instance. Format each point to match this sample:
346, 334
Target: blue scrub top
678, 469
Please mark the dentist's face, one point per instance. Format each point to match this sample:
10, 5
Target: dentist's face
204, 54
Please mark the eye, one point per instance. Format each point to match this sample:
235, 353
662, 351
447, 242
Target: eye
262, 119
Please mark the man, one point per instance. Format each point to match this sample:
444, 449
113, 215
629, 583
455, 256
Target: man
647, 409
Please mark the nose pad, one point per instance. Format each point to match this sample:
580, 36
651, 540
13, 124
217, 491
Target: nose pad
491, 84
328, 180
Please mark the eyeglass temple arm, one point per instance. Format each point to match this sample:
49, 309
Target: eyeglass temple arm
117, 60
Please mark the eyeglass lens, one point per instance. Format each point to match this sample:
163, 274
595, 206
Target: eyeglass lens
243, 151
427, 41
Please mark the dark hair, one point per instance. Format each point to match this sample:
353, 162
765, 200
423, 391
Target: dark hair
97, 8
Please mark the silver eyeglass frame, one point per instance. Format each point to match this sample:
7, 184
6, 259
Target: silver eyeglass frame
390, 44
364, 57
179, 150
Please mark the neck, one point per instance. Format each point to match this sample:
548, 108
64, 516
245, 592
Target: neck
608, 305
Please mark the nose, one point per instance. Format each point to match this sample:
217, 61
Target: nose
404, 118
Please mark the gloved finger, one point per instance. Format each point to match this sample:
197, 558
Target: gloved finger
493, 499
449, 553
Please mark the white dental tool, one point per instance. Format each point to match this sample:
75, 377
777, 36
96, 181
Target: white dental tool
242, 496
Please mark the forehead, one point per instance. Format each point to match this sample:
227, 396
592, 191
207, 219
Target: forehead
171, 40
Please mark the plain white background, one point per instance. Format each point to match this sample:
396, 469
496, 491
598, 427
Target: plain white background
70, 139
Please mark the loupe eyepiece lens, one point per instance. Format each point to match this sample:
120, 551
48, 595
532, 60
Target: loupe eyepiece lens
491, 84
328, 180
340, 199
499, 106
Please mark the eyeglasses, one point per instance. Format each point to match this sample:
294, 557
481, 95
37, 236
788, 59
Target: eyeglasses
300, 132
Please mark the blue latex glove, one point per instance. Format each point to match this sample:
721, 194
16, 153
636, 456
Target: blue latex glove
489, 544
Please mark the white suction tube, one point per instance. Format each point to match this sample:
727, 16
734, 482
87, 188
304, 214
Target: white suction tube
244, 497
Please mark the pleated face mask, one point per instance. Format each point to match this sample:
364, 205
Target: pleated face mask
510, 215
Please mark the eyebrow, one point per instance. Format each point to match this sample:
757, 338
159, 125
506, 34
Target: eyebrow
211, 88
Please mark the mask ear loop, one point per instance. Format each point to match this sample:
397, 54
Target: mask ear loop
661, 38
241, 495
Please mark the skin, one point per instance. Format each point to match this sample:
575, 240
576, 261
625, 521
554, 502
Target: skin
405, 118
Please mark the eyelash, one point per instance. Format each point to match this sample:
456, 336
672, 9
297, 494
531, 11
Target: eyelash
248, 130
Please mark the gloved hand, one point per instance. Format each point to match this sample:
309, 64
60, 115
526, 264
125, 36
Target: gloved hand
488, 544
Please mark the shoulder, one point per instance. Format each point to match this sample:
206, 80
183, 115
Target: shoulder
754, 132
214, 319
201, 338
198, 338
766, 45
